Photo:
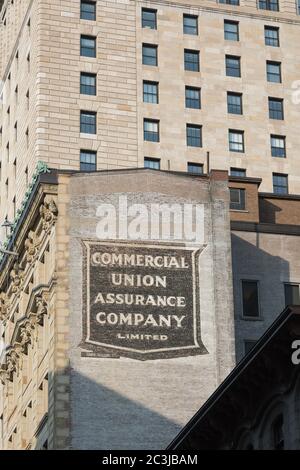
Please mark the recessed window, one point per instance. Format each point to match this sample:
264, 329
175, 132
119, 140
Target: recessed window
233, 66
292, 294
151, 130
278, 146
298, 6
239, 172
149, 54
149, 18
274, 72
193, 135
191, 60
195, 168
237, 199
275, 108
192, 97
88, 122
280, 183
250, 299
16, 131
190, 24
236, 141
88, 160
231, 30
271, 36
88, 10
88, 46
150, 92
234, 103
230, 2
272, 5
88, 83
153, 163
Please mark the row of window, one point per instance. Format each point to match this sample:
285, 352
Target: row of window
250, 297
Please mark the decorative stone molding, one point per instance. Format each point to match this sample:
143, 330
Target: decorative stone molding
16, 275
4, 306
48, 213
31, 246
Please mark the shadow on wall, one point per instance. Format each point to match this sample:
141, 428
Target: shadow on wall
268, 211
250, 262
104, 419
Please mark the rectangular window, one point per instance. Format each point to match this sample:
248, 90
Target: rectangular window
272, 5
250, 298
88, 10
233, 66
275, 108
88, 122
237, 199
192, 97
231, 30
150, 92
193, 135
195, 168
149, 55
153, 163
149, 18
298, 6
190, 24
236, 141
280, 183
240, 172
292, 294
271, 36
230, 2
191, 60
278, 146
87, 46
234, 103
151, 130
88, 160
274, 72
88, 84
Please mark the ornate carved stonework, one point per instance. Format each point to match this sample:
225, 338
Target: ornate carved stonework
31, 246
16, 276
4, 306
48, 212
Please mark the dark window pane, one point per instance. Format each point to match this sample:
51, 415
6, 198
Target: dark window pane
280, 183
150, 92
194, 135
149, 18
274, 72
88, 10
271, 36
278, 146
153, 163
88, 46
234, 103
275, 108
191, 60
88, 160
269, 5
233, 66
88, 122
195, 168
230, 2
149, 55
190, 24
151, 130
292, 296
237, 172
88, 83
192, 97
231, 30
237, 199
250, 298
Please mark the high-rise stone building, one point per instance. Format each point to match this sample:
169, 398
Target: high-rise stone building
121, 84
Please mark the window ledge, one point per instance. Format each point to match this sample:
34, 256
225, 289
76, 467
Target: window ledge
239, 210
88, 136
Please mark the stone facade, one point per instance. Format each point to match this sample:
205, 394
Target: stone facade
40, 93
